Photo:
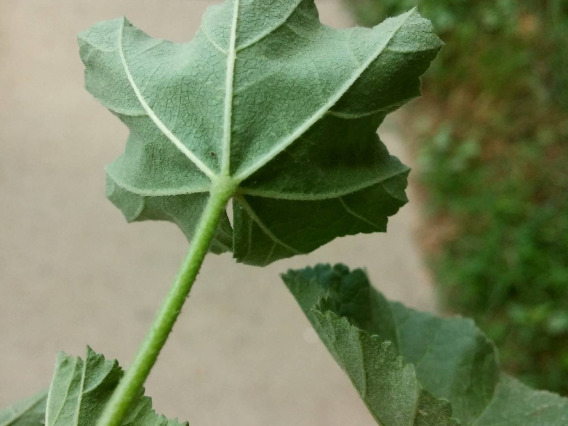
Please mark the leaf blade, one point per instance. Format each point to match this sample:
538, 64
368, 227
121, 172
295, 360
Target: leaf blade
268, 98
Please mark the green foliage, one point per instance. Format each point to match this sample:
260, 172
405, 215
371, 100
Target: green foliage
269, 103
493, 161
405, 363
77, 395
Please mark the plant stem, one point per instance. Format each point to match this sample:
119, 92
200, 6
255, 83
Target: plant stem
130, 385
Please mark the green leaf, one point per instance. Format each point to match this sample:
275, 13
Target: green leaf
81, 388
409, 366
28, 412
267, 100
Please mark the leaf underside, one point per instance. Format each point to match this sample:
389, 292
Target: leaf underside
77, 395
268, 97
413, 368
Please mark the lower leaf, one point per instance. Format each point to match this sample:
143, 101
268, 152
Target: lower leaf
413, 368
77, 395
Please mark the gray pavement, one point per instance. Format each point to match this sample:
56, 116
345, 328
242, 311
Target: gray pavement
72, 272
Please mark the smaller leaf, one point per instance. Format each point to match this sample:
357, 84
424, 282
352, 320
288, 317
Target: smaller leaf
28, 412
81, 388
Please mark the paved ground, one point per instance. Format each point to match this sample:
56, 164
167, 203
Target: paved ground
72, 272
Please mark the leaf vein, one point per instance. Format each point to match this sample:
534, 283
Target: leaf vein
357, 216
167, 132
213, 42
263, 227
157, 192
362, 366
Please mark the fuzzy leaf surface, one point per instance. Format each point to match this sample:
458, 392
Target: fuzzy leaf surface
413, 368
266, 97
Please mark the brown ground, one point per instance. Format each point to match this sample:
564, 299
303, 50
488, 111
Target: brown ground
73, 273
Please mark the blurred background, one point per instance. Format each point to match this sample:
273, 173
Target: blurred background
490, 143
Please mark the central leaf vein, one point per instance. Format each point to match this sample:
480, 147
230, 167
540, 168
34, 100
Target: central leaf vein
80, 395
229, 82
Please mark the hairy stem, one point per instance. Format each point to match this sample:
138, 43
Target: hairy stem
130, 385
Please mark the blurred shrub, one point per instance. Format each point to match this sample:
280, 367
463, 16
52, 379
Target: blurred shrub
504, 259
493, 158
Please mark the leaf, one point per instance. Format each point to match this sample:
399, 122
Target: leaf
81, 388
408, 366
28, 412
267, 100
